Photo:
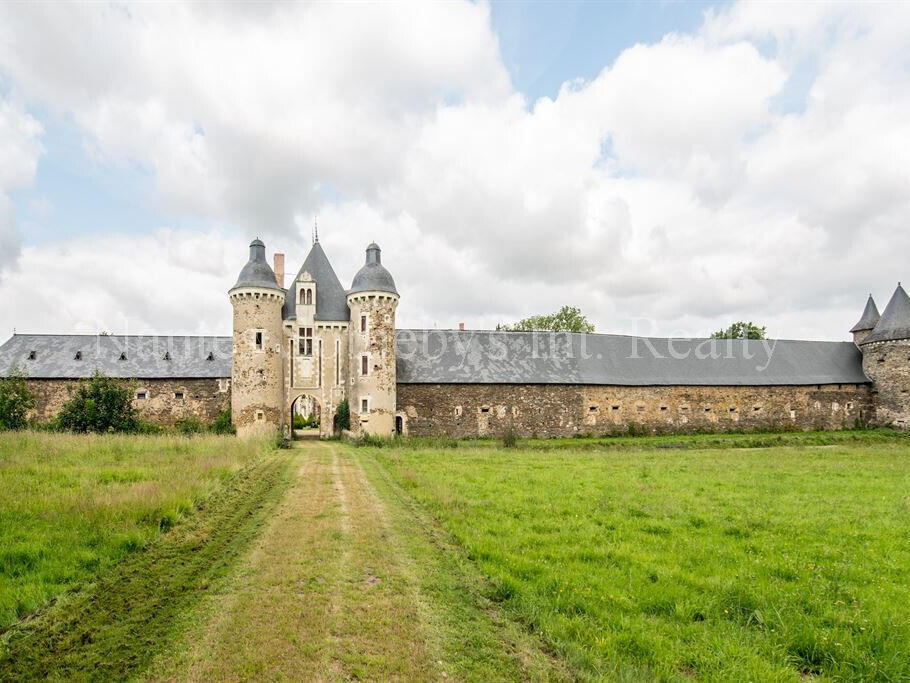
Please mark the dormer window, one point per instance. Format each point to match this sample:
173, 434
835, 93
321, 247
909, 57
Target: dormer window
123, 356
32, 355
211, 356
78, 355
167, 355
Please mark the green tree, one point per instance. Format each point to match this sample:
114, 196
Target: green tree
15, 399
101, 404
566, 319
342, 416
741, 330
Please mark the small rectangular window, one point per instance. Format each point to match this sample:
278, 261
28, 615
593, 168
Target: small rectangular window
592, 409
485, 410
364, 365
259, 341
141, 395
365, 405
178, 395
663, 407
363, 323
707, 409
615, 407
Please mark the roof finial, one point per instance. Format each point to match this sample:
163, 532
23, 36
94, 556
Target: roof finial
316, 229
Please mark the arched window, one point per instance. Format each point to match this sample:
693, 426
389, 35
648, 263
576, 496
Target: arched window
302, 297
309, 297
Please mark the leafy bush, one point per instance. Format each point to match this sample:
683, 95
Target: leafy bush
343, 416
190, 425
15, 400
101, 404
510, 438
309, 422
223, 424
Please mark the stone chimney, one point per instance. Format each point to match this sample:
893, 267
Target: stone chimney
279, 269
461, 327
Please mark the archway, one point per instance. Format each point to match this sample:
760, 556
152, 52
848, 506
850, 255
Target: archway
306, 417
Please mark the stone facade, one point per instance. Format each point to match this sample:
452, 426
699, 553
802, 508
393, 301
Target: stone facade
162, 401
373, 393
549, 410
888, 366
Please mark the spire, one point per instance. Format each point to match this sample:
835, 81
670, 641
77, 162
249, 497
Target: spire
895, 321
869, 318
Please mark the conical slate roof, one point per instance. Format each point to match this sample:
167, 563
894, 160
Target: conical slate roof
331, 300
869, 318
895, 321
373, 277
257, 272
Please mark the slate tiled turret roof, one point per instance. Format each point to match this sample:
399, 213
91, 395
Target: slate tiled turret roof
74, 356
257, 272
373, 277
331, 300
869, 317
895, 321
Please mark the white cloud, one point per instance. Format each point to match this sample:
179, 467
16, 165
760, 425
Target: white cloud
20, 148
670, 187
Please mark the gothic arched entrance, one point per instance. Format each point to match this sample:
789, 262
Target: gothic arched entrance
306, 417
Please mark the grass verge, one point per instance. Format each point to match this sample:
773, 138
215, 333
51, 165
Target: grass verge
111, 628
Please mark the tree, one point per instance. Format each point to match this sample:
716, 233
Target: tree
741, 330
102, 404
15, 399
343, 416
566, 319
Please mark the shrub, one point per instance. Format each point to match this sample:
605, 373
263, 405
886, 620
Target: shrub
223, 424
281, 439
15, 400
102, 404
190, 425
510, 438
343, 416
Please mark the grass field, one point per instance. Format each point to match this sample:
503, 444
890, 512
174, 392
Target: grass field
744, 564
736, 557
70, 506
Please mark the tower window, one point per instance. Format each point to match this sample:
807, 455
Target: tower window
309, 297
364, 365
364, 405
363, 323
259, 341
337, 362
305, 342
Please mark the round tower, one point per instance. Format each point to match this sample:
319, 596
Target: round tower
372, 300
886, 350
257, 382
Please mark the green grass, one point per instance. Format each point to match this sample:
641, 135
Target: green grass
675, 562
72, 506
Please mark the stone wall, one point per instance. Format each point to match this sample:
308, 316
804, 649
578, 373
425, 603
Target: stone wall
466, 410
888, 365
203, 399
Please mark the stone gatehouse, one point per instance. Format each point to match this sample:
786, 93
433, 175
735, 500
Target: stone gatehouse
312, 342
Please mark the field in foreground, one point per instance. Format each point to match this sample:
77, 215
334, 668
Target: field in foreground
766, 563
71, 506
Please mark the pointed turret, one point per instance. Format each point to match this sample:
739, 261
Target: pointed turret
894, 323
867, 322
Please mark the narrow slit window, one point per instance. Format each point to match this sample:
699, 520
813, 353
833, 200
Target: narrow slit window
337, 362
259, 341
363, 323
364, 365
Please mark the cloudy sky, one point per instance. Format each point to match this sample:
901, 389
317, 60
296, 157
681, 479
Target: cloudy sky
666, 167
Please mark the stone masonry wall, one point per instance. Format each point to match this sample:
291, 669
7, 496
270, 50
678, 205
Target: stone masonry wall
203, 399
888, 365
466, 410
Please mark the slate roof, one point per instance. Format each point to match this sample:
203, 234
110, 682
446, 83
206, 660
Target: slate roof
473, 357
895, 321
373, 277
257, 272
55, 356
331, 299
869, 317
